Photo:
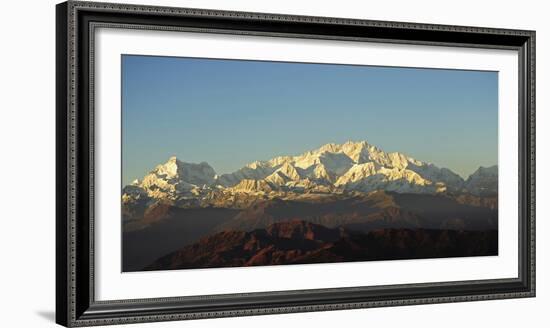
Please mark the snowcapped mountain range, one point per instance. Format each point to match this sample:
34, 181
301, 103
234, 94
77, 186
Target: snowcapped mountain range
352, 167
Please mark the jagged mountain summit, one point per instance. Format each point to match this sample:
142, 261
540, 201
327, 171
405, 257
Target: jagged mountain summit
351, 167
484, 181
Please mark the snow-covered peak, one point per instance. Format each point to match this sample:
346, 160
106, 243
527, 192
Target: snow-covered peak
174, 169
330, 147
277, 178
358, 172
358, 151
256, 165
175, 178
289, 171
491, 171
484, 181
348, 147
170, 168
277, 161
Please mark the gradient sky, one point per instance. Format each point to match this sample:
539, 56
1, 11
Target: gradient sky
232, 112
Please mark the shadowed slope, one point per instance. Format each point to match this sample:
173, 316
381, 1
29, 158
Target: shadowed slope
299, 242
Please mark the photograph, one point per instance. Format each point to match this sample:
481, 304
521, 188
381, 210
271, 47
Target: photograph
242, 161
238, 163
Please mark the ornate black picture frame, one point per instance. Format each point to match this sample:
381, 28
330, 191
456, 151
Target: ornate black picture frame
75, 301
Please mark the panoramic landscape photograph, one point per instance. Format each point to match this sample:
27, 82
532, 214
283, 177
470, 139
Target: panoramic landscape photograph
238, 163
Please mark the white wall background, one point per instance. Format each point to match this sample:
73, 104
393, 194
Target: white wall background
27, 161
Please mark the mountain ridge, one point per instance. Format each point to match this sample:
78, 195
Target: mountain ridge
299, 242
351, 167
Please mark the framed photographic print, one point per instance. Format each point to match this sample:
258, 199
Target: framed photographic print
214, 163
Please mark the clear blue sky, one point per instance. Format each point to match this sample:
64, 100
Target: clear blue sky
232, 112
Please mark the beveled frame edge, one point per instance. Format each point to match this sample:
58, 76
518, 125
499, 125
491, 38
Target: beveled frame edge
75, 304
